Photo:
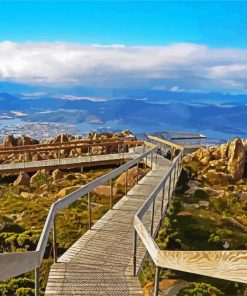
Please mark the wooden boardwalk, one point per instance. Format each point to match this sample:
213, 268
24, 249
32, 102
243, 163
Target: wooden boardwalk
100, 262
51, 164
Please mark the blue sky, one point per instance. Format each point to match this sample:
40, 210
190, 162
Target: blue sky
221, 24
166, 45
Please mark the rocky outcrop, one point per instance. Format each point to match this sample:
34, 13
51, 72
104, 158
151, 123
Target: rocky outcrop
10, 141
37, 157
27, 195
97, 150
242, 195
221, 164
105, 190
236, 159
24, 140
61, 138
22, 179
215, 177
57, 174
131, 177
65, 191
224, 150
37, 176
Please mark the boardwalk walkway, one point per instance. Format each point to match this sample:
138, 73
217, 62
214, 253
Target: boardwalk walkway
100, 262
84, 161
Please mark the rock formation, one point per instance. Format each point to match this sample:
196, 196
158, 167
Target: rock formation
22, 179
105, 190
57, 174
131, 177
236, 159
65, 191
10, 141
220, 164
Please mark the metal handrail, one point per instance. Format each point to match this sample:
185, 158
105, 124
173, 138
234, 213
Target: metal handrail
140, 230
228, 265
60, 204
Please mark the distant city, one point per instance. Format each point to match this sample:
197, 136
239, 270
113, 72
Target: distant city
39, 131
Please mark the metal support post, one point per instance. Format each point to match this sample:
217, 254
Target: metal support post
126, 182
89, 211
54, 236
137, 173
146, 161
152, 218
134, 253
36, 271
111, 194
162, 201
156, 281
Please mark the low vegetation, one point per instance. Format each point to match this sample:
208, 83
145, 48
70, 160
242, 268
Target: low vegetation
207, 213
24, 210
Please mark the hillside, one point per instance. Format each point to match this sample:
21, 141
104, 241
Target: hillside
208, 212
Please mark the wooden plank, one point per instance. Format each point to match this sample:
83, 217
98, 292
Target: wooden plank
148, 144
14, 264
179, 147
227, 265
146, 238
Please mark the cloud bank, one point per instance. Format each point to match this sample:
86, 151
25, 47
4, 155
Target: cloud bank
177, 67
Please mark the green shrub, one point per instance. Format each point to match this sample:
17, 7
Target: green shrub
10, 242
200, 289
12, 286
25, 292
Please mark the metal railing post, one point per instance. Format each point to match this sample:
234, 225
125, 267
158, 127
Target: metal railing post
36, 272
169, 188
134, 253
156, 281
152, 218
151, 160
111, 194
146, 161
174, 178
89, 211
162, 201
137, 173
177, 165
126, 182
172, 153
59, 154
54, 241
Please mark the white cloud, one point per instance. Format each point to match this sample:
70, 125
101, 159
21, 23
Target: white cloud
179, 66
175, 88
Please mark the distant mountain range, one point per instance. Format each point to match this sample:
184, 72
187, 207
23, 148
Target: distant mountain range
217, 115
